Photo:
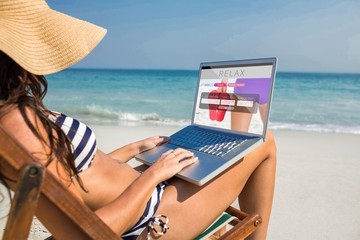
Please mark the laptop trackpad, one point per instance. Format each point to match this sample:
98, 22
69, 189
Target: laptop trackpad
193, 173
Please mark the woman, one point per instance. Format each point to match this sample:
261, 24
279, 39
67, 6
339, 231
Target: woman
35, 41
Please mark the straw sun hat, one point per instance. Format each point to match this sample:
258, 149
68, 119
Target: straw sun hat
42, 40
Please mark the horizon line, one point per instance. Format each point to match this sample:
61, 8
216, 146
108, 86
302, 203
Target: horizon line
180, 69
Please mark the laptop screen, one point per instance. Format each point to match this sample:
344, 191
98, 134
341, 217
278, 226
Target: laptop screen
235, 95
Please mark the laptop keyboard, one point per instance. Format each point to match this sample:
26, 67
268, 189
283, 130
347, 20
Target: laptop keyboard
207, 141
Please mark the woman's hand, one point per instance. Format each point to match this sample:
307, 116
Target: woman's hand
172, 162
127, 152
151, 142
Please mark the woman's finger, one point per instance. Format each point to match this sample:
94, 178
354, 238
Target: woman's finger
188, 161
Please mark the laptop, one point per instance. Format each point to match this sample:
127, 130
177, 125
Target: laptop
230, 117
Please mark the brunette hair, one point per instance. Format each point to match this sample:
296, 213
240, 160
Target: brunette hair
24, 90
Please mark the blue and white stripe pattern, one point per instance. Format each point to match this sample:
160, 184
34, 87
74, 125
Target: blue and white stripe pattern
151, 207
82, 138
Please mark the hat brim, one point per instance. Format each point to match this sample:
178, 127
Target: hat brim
46, 41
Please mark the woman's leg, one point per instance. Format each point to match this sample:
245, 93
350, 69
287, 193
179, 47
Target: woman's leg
191, 209
240, 121
262, 110
257, 195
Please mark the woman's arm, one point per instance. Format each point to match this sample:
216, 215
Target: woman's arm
127, 152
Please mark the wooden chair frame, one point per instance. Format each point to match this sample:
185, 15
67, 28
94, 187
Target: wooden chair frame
59, 209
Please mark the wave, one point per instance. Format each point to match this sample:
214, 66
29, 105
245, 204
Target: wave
96, 111
321, 128
152, 118
100, 115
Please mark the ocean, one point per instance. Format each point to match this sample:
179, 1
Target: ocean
317, 102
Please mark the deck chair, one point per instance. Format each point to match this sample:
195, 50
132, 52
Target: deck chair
66, 217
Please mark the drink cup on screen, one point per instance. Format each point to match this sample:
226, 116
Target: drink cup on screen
222, 108
213, 107
217, 112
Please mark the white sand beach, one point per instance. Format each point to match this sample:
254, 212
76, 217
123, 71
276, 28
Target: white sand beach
317, 187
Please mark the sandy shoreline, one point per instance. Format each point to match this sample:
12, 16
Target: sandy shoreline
317, 189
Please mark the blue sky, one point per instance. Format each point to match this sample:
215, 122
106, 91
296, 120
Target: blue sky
311, 36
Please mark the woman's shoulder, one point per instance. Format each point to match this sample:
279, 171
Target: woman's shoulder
15, 124
13, 116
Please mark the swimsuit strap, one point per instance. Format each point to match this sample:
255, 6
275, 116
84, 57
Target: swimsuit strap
161, 221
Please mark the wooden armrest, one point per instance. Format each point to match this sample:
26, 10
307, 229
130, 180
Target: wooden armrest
25, 202
243, 226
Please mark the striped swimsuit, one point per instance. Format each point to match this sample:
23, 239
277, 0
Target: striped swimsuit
82, 139
151, 207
